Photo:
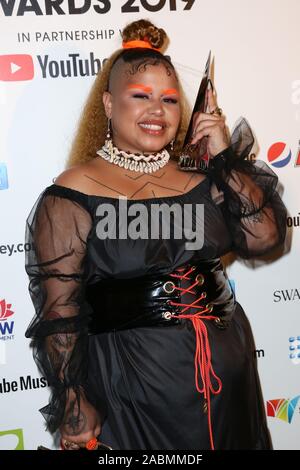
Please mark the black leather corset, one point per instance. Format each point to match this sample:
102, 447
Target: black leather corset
147, 301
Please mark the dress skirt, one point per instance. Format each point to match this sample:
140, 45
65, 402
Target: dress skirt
146, 379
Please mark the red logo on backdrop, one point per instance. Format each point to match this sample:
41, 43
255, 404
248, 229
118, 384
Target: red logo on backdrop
5, 311
297, 163
16, 67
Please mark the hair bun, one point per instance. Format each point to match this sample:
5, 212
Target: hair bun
144, 30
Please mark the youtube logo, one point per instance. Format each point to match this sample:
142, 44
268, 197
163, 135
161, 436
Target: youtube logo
16, 67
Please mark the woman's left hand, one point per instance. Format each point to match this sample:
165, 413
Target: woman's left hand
212, 126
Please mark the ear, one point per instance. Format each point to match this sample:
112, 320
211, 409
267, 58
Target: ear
107, 102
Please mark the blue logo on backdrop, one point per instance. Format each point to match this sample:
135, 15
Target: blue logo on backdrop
6, 325
232, 286
294, 349
3, 176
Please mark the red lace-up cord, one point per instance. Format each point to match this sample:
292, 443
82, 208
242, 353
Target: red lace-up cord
203, 353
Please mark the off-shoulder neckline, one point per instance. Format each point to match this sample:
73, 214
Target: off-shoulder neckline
159, 198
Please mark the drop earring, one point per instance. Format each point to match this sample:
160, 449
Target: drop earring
108, 134
172, 144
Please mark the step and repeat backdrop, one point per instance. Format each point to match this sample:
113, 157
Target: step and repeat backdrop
50, 54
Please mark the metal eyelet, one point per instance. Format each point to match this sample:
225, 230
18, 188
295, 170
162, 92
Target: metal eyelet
193, 268
204, 295
167, 315
200, 279
220, 323
209, 307
169, 289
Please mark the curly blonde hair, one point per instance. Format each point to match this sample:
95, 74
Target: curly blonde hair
92, 126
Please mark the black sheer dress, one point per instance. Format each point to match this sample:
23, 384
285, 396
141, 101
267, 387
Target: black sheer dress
153, 332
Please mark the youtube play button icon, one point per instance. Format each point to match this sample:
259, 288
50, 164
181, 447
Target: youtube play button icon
16, 67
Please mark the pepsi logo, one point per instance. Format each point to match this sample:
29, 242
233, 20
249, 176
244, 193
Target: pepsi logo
279, 155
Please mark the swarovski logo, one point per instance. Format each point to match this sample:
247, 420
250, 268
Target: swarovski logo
286, 295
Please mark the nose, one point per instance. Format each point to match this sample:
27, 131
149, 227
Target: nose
156, 108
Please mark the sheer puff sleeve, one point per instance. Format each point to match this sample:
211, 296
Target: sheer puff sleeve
250, 202
57, 230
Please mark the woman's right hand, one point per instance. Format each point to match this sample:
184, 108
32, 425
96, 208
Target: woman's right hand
78, 429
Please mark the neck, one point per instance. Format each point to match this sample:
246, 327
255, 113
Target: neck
110, 143
135, 152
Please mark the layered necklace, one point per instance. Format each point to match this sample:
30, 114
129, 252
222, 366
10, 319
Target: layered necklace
133, 162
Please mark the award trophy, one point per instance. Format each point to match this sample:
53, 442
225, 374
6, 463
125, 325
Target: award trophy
195, 156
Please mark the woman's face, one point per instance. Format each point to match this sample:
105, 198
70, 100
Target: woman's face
144, 108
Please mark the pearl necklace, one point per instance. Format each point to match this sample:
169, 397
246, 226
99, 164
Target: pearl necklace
130, 161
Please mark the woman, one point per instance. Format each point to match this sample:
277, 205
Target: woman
140, 336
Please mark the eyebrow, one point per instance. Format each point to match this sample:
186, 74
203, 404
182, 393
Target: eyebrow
147, 89
170, 91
